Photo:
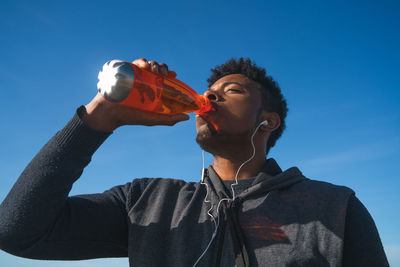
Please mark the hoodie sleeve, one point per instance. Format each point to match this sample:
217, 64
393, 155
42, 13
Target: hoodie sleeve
38, 219
362, 244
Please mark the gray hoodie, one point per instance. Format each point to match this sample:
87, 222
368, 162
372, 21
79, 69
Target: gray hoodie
281, 219
285, 220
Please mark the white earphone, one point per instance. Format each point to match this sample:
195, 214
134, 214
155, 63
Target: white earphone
216, 220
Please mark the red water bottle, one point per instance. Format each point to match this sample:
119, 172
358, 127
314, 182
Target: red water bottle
125, 83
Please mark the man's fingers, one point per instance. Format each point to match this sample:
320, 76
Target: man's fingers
132, 116
142, 63
171, 74
155, 67
169, 119
163, 69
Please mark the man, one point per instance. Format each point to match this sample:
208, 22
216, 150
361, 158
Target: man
266, 218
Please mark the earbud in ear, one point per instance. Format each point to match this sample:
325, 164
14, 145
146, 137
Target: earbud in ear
264, 123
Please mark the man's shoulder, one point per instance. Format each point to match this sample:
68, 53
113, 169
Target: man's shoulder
146, 187
165, 180
138, 185
322, 189
321, 201
322, 185
157, 182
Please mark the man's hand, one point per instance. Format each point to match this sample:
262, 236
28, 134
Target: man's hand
106, 116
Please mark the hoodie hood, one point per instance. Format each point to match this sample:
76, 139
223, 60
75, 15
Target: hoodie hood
268, 179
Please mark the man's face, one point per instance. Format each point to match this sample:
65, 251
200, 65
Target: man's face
237, 101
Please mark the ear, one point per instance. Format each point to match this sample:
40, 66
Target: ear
274, 121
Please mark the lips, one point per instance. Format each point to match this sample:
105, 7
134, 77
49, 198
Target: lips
215, 106
209, 120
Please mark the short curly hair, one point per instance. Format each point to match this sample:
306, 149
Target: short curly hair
272, 101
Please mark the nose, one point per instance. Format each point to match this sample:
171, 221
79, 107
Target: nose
212, 96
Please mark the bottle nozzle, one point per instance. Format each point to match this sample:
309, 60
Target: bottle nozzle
205, 105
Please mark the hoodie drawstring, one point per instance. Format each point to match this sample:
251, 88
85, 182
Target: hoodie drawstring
231, 220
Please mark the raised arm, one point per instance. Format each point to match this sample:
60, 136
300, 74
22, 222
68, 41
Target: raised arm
39, 220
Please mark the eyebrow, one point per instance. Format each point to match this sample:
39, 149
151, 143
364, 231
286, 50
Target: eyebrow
228, 83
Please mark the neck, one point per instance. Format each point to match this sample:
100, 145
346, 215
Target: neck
227, 167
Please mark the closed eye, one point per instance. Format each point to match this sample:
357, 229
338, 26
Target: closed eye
233, 90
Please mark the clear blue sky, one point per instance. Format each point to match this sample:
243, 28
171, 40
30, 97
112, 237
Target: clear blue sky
337, 63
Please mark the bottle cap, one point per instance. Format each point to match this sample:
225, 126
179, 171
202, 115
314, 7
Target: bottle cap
115, 80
